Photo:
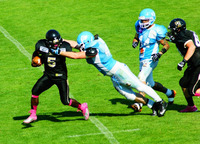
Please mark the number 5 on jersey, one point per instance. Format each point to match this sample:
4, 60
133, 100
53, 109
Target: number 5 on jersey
51, 61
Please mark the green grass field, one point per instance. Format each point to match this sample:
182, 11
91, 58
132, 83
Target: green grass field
111, 121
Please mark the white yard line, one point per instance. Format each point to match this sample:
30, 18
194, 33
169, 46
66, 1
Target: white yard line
91, 134
94, 120
15, 42
104, 130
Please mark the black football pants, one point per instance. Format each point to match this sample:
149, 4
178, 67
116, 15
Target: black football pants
45, 82
191, 80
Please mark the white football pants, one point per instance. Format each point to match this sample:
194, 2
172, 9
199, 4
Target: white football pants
124, 80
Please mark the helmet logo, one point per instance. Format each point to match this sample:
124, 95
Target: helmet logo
83, 38
153, 14
55, 41
178, 24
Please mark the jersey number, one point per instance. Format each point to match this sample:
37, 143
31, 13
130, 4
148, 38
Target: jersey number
196, 40
51, 61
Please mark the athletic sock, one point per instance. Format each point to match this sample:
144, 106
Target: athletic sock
35, 108
150, 103
169, 92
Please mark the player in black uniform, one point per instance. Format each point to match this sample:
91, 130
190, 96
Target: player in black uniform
55, 73
188, 45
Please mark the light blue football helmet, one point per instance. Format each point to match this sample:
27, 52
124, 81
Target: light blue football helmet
147, 14
85, 38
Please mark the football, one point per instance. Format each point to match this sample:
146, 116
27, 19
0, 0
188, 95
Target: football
36, 61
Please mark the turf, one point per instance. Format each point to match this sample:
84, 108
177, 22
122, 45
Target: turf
111, 120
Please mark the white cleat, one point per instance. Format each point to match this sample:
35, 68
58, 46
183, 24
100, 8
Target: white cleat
31, 118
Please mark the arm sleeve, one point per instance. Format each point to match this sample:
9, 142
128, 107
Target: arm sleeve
137, 26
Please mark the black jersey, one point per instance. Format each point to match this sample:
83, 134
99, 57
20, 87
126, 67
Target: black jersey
54, 65
180, 41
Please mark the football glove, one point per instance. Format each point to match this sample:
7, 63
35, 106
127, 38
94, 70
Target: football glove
80, 47
55, 51
181, 65
134, 44
156, 56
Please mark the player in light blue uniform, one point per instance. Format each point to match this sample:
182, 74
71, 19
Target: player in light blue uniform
97, 53
150, 35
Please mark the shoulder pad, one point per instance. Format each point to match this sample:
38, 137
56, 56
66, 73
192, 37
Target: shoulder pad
40, 46
161, 30
91, 52
65, 46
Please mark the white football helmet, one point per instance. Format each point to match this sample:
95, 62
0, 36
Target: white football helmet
85, 38
147, 14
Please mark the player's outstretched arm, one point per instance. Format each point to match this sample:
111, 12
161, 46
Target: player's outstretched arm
88, 53
71, 42
74, 55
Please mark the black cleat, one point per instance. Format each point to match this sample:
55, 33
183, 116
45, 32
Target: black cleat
154, 112
162, 107
155, 109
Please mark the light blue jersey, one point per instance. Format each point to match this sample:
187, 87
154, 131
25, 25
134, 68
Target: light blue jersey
103, 61
122, 78
149, 39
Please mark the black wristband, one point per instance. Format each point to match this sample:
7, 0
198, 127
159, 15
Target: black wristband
163, 50
185, 61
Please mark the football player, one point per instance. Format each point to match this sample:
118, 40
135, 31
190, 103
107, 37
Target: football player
149, 35
97, 53
55, 72
188, 44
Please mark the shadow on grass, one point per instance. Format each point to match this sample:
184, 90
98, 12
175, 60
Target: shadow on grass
54, 117
57, 116
175, 107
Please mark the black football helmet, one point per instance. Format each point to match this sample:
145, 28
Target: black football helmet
53, 38
175, 26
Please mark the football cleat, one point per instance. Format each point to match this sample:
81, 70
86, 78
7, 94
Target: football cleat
84, 110
171, 97
154, 112
190, 109
137, 107
31, 118
155, 109
162, 107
